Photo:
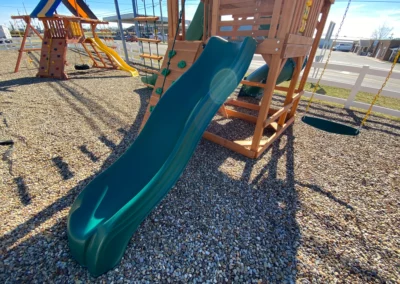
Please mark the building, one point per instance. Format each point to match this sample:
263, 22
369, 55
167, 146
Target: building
361, 47
343, 40
384, 49
393, 55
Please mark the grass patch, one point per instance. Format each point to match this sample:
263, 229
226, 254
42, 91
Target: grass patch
344, 94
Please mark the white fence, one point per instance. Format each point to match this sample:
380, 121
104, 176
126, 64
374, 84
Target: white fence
357, 86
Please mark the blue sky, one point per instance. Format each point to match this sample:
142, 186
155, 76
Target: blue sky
362, 18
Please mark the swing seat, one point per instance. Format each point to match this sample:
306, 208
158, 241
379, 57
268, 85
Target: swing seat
330, 126
81, 67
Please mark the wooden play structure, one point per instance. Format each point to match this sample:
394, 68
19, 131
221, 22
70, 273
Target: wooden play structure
283, 28
29, 28
60, 32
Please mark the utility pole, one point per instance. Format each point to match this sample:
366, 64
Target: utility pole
121, 30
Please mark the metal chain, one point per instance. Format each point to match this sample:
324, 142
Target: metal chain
380, 90
329, 57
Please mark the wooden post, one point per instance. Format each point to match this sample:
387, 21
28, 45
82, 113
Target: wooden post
320, 29
22, 49
292, 87
266, 101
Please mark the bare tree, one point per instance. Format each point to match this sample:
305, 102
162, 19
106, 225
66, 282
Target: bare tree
381, 32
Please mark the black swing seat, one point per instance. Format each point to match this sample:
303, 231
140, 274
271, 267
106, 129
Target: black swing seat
330, 126
81, 67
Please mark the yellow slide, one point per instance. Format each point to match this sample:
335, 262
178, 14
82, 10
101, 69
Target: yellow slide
114, 55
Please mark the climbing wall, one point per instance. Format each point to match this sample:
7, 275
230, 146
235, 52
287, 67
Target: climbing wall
184, 55
53, 58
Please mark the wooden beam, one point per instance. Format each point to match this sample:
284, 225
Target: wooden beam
321, 25
243, 104
274, 137
266, 100
254, 84
149, 40
229, 144
151, 56
292, 86
146, 19
241, 115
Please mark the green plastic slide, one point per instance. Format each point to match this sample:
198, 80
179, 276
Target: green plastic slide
194, 32
260, 75
108, 211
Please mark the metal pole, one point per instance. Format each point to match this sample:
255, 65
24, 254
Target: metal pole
162, 23
121, 30
135, 14
137, 29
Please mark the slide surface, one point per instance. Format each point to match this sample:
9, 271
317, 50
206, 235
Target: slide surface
114, 55
108, 211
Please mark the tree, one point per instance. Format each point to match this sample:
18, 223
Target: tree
382, 32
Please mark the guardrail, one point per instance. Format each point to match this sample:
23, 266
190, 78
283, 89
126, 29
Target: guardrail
356, 87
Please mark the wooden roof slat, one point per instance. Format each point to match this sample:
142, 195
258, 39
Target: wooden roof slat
145, 19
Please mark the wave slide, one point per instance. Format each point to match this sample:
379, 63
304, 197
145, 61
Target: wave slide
260, 75
96, 41
108, 211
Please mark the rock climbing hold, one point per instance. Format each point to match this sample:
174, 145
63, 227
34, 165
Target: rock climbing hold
171, 53
165, 72
182, 64
159, 91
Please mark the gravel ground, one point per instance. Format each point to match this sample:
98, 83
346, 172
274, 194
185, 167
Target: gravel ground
316, 207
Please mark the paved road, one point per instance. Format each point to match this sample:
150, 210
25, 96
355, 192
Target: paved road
350, 59
344, 58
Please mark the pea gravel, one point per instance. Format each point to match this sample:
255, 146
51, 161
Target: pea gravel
315, 208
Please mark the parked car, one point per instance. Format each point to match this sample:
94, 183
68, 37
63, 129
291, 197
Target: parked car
343, 47
131, 38
146, 35
160, 36
5, 40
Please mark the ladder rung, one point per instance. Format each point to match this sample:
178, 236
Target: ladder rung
145, 19
150, 71
254, 84
155, 57
149, 40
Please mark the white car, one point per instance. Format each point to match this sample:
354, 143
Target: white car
343, 47
159, 36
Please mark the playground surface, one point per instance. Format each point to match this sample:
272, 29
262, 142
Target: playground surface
315, 207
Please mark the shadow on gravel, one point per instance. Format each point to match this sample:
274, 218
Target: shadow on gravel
225, 226
63, 168
23, 191
49, 249
6, 86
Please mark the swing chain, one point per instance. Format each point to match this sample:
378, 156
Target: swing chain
328, 59
380, 90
